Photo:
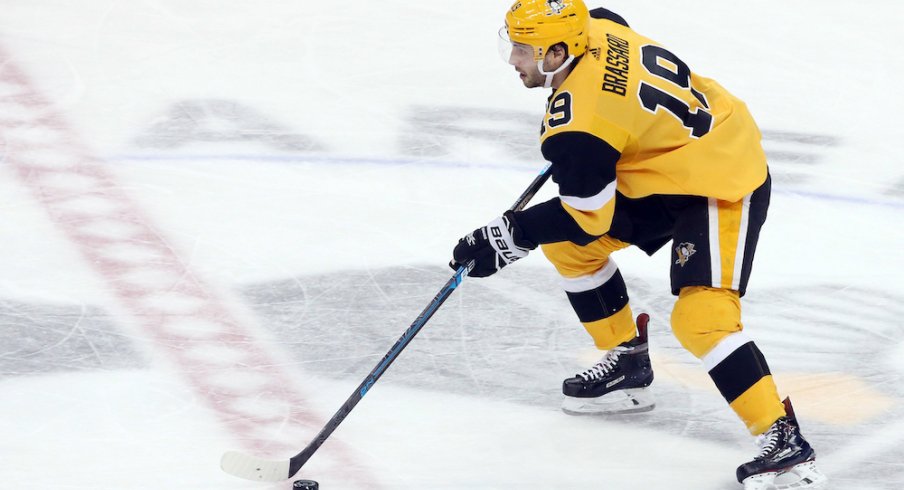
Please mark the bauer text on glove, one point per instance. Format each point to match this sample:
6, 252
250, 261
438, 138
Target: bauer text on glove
491, 247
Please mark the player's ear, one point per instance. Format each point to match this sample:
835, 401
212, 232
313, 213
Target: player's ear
555, 56
559, 50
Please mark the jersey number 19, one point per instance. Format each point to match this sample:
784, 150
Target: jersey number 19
677, 73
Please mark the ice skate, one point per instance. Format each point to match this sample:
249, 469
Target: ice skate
786, 460
618, 383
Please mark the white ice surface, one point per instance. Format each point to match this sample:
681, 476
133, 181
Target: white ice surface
363, 79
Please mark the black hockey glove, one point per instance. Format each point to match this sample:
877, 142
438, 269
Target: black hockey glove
492, 247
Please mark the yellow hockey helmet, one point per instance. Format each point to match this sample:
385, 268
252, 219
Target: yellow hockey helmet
544, 23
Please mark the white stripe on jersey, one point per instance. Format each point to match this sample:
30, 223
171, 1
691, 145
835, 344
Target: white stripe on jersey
742, 244
591, 281
724, 349
591, 203
715, 254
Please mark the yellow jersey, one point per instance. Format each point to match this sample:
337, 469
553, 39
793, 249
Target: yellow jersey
632, 117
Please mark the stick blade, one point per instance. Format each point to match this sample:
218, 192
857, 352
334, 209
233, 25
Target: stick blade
253, 468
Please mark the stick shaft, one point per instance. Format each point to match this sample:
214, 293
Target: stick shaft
297, 461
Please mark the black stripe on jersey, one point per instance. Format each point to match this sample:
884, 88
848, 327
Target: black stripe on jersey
739, 371
548, 222
583, 165
601, 13
601, 302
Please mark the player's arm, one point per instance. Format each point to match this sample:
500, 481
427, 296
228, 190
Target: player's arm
584, 168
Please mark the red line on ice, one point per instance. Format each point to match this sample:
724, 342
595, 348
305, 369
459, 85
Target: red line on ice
178, 315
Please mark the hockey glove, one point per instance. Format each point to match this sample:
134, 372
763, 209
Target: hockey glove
491, 247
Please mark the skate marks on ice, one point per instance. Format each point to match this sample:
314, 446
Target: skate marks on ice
803, 140
513, 338
45, 338
340, 322
220, 121
427, 132
167, 309
438, 131
519, 314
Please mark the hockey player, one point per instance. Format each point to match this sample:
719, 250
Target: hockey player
645, 152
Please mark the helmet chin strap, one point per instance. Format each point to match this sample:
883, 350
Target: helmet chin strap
551, 74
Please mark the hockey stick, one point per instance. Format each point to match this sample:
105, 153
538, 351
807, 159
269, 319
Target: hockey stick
259, 469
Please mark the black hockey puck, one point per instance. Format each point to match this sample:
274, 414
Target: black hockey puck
306, 484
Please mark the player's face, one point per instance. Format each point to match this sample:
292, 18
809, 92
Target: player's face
522, 58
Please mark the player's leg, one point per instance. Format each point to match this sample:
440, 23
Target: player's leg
714, 246
597, 292
595, 288
707, 322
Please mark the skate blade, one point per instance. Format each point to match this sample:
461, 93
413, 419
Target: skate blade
804, 476
633, 400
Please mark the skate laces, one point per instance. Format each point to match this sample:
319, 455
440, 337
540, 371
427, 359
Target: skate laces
605, 365
770, 440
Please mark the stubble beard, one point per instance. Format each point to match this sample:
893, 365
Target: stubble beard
533, 80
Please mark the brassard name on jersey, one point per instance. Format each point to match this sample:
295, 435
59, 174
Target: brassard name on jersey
618, 62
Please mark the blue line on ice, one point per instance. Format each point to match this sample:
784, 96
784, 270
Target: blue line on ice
403, 161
